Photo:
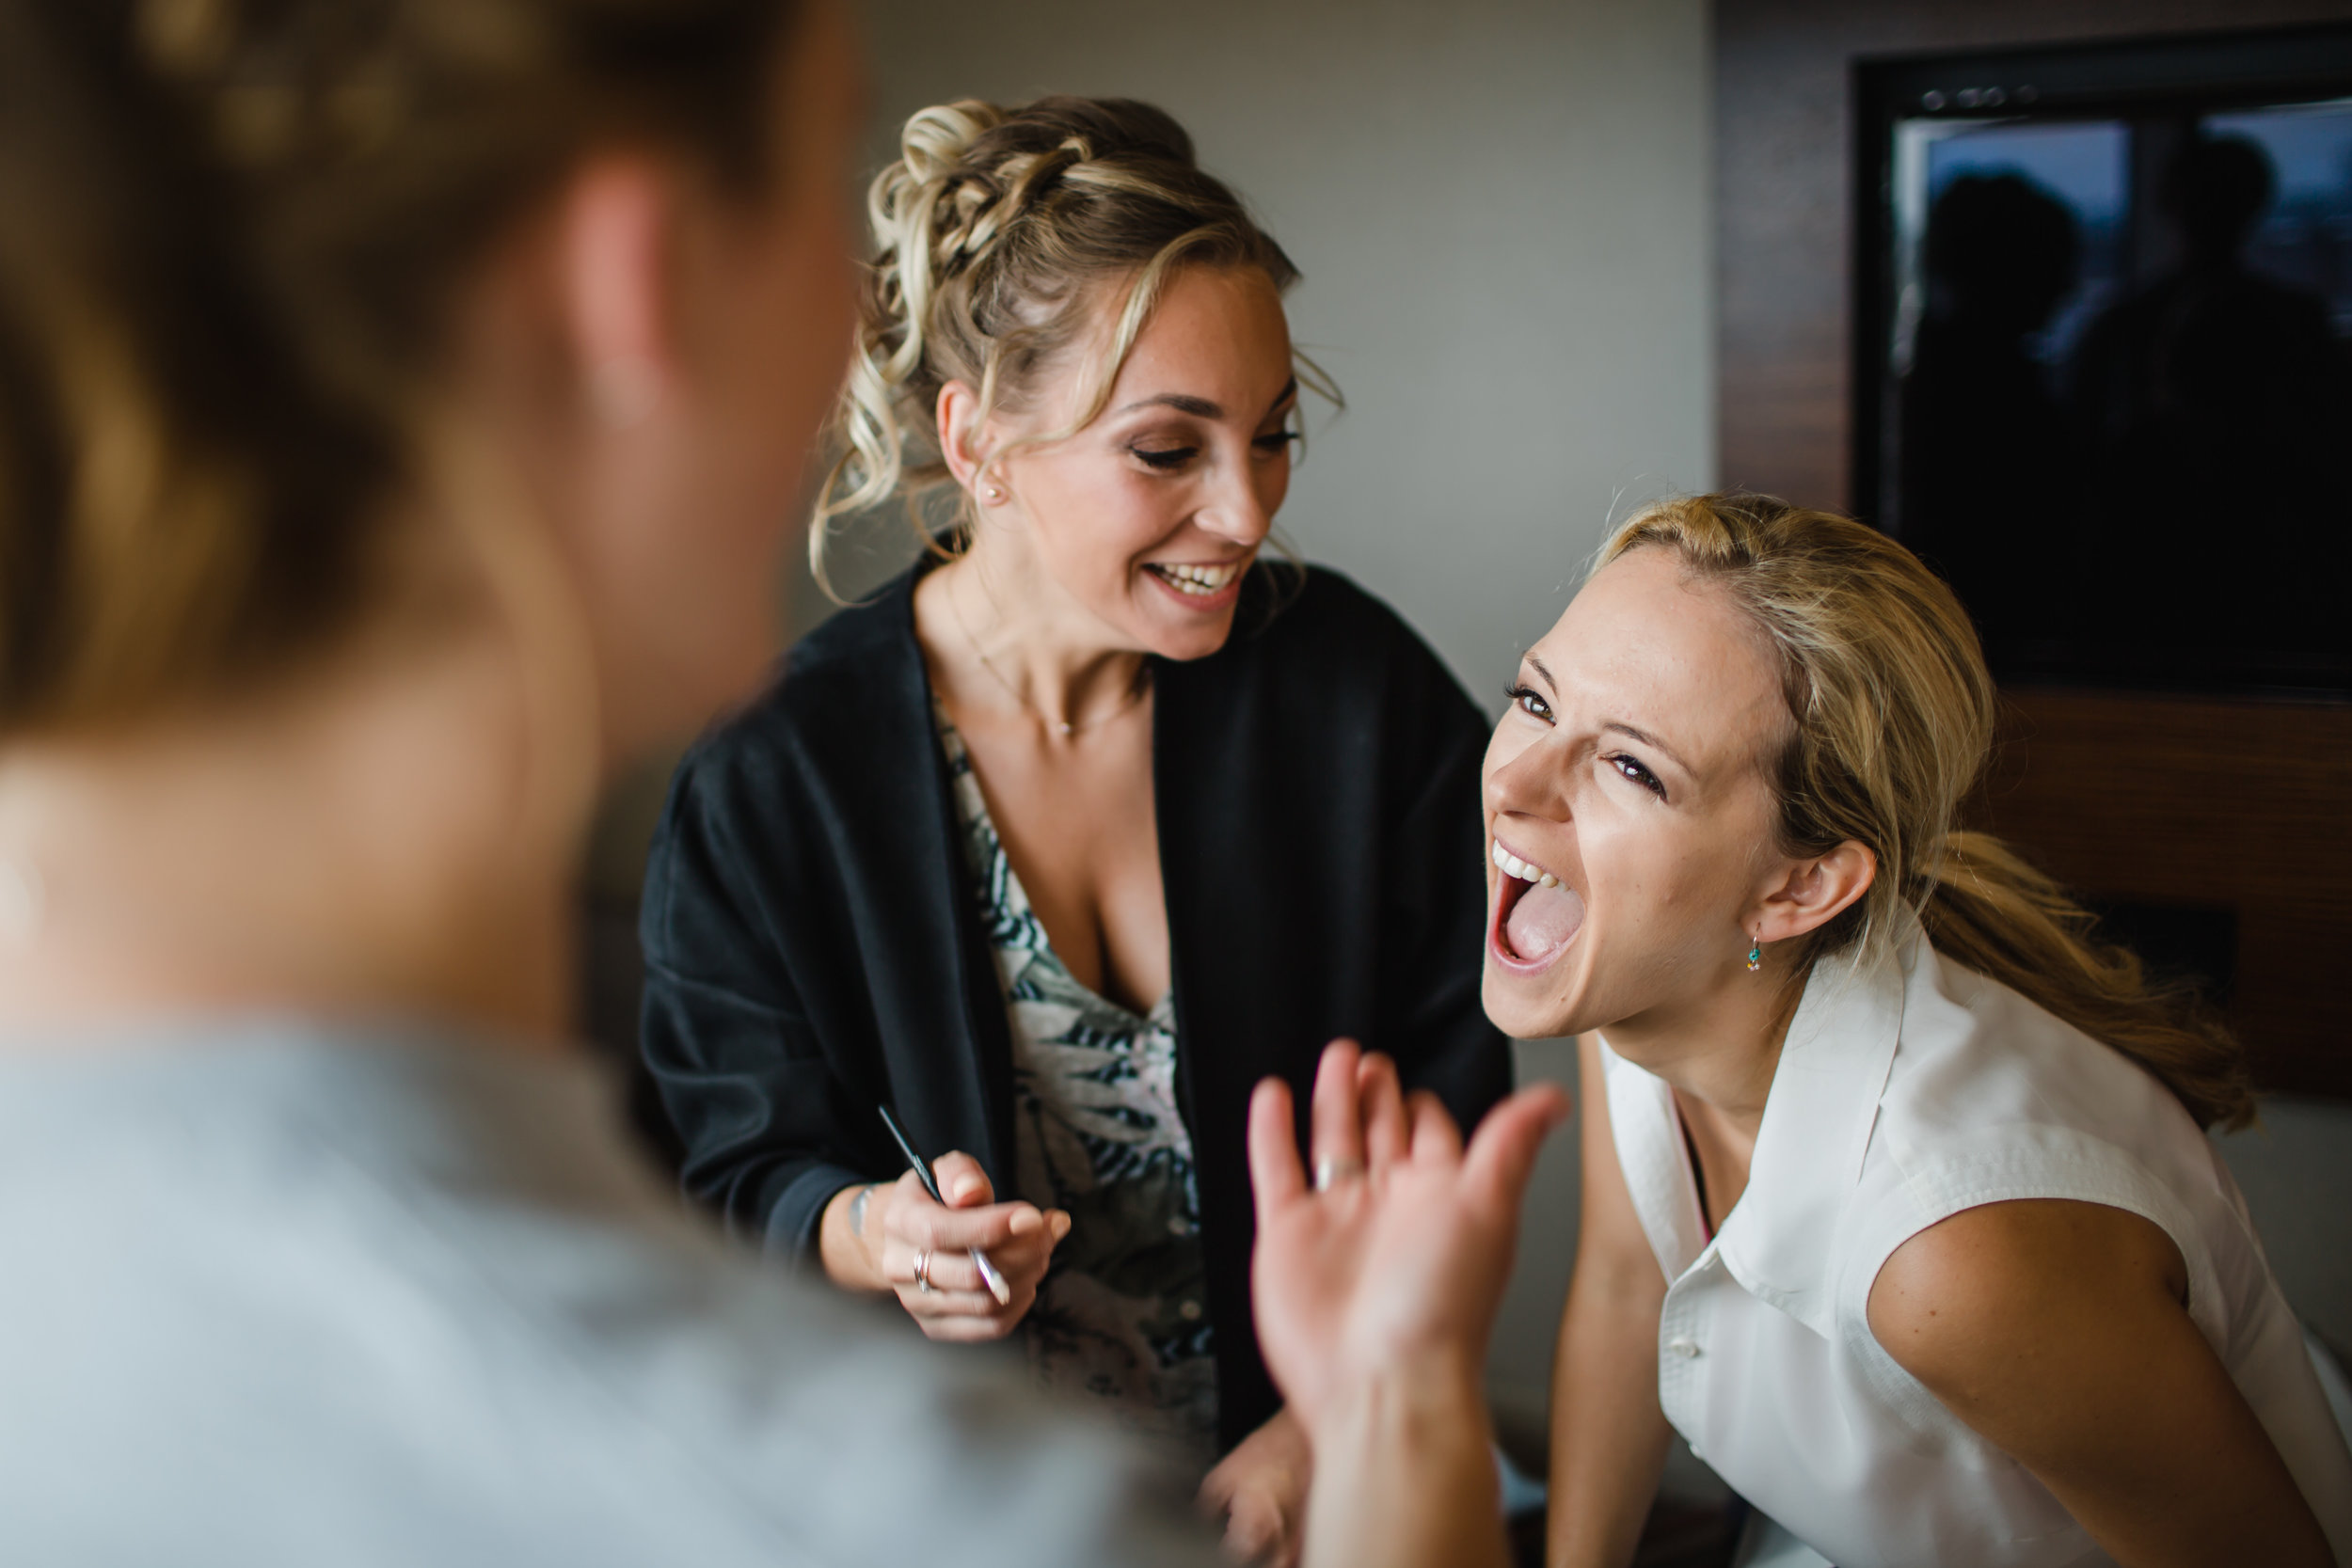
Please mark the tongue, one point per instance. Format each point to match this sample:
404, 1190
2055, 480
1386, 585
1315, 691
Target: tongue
1543, 920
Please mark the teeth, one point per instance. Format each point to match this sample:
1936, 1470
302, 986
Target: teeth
1511, 864
1198, 579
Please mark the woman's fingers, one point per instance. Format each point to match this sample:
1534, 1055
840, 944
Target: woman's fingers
962, 1181
970, 1330
949, 1270
1336, 1118
929, 1244
1275, 1177
1253, 1527
1382, 1099
1024, 1260
1020, 1259
942, 1305
925, 1224
1435, 1137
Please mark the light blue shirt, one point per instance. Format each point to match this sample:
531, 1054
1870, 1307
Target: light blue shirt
274, 1295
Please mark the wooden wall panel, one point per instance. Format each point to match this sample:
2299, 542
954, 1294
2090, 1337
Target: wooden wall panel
1785, 198
2237, 806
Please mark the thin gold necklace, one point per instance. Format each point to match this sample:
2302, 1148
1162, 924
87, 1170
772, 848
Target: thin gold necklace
1064, 727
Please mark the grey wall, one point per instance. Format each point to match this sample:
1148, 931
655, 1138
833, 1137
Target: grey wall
1501, 208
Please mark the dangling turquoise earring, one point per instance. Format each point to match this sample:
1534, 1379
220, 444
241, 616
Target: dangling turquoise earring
1756, 955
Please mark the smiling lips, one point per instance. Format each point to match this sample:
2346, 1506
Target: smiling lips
1537, 916
1197, 582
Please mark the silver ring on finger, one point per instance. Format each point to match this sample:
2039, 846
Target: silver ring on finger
1328, 1173
923, 1272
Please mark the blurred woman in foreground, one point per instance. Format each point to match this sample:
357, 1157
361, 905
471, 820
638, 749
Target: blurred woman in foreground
1897, 1201
400, 404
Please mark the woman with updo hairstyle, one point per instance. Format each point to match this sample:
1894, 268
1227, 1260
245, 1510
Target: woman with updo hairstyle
403, 410
1897, 1199
1084, 824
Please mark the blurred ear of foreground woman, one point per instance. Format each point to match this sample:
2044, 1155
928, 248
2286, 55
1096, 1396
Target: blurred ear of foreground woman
398, 413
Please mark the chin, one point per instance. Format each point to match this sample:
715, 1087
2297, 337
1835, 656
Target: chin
1192, 643
1180, 642
1523, 1012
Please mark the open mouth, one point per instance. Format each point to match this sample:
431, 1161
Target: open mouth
1535, 914
1199, 584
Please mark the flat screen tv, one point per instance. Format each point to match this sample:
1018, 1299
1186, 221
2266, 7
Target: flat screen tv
2104, 352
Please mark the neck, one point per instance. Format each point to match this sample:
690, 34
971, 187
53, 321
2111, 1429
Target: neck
1003, 638
1720, 1049
389, 839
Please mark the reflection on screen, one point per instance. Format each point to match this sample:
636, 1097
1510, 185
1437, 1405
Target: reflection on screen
2121, 389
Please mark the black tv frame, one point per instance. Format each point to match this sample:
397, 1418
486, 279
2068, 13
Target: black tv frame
2212, 72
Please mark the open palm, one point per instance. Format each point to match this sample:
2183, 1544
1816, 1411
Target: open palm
1402, 1255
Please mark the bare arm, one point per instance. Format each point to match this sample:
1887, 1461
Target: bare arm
2056, 1331
1609, 1436
1406, 1474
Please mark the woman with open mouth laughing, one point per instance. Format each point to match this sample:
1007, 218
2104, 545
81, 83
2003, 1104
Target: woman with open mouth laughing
1084, 824
1897, 1202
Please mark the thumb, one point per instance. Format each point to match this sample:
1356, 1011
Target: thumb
962, 1181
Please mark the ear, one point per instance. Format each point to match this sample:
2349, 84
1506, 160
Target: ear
962, 438
1814, 892
613, 255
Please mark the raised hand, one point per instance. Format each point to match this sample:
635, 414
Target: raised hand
1394, 1258
1374, 1289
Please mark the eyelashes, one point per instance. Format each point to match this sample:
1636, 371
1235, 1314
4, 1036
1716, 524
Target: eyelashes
1530, 702
1639, 774
1171, 459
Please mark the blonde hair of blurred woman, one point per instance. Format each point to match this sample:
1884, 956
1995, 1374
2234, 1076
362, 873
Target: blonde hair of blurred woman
1891, 721
1000, 236
352, 380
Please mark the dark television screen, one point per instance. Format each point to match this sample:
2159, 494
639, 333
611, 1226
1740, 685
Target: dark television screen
2104, 353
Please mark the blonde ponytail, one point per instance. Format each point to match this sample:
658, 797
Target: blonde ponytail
1988, 909
1892, 716
995, 232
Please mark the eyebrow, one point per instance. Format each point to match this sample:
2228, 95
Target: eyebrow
1649, 739
1617, 725
1202, 408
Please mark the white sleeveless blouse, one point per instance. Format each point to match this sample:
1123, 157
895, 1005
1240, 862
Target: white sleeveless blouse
1909, 1089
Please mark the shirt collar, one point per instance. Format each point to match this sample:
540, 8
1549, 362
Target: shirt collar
1818, 1119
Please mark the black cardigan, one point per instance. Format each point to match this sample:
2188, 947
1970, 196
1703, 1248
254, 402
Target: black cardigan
813, 942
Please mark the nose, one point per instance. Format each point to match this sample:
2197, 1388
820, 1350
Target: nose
1239, 509
1530, 781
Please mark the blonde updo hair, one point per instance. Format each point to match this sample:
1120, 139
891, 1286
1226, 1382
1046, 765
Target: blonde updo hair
1891, 715
995, 232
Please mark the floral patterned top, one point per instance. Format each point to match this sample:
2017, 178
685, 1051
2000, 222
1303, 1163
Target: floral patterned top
1122, 1310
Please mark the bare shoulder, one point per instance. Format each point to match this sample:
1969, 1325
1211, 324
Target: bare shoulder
2056, 1331
1995, 1295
